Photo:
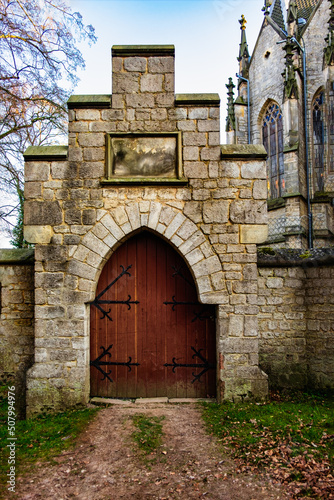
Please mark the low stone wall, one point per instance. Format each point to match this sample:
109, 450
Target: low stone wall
16, 322
319, 301
296, 318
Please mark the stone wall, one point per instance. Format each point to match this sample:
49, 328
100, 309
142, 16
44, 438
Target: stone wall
319, 288
296, 318
76, 213
16, 322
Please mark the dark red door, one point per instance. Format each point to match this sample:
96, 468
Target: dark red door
149, 335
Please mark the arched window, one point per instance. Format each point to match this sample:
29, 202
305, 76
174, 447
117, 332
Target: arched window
272, 133
318, 142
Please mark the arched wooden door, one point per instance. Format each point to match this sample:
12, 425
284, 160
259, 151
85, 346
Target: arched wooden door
149, 335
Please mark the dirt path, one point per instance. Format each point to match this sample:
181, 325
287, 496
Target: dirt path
105, 464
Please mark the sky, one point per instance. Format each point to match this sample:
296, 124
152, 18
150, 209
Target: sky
206, 35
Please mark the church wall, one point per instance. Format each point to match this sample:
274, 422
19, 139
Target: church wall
264, 73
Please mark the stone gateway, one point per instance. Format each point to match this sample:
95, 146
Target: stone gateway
145, 278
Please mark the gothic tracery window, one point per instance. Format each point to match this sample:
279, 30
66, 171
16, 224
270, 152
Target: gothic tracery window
318, 142
272, 133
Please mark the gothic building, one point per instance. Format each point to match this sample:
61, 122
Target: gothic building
285, 101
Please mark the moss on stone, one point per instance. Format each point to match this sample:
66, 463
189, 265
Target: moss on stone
267, 251
45, 152
197, 99
17, 256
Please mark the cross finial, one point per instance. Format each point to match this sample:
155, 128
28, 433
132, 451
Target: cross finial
266, 7
242, 22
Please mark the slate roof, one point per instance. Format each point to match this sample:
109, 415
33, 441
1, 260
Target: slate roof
277, 15
306, 7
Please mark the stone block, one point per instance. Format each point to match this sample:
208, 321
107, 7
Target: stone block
95, 244
49, 280
167, 214
248, 212
194, 241
91, 140
260, 190
174, 225
213, 169
126, 83
133, 213
253, 233
169, 82
215, 211
177, 113
193, 210
186, 125
49, 312
37, 171
159, 114
204, 285
37, 234
275, 282
140, 101
32, 190
195, 169
165, 100
112, 114
42, 213
251, 326
73, 216
100, 231
93, 154
198, 113
120, 215
238, 346
111, 225
154, 215
230, 170
208, 125
236, 326
194, 139
133, 64
87, 114
151, 83
214, 139
201, 194
89, 216
186, 230
161, 65
254, 170
82, 270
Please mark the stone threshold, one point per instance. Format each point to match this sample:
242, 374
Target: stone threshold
115, 401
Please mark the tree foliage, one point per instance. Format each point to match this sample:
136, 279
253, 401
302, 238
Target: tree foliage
39, 59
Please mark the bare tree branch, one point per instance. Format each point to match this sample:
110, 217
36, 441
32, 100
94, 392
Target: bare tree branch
39, 59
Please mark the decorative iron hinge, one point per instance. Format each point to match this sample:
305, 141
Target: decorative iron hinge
98, 363
205, 365
198, 315
97, 302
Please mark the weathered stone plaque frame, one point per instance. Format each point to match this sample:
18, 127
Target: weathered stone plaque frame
113, 177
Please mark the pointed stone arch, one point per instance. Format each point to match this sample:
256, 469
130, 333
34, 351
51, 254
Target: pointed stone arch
117, 225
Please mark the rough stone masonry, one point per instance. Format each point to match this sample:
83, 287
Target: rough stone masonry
77, 213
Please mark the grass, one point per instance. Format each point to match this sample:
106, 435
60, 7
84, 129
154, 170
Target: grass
291, 436
148, 434
40, 438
